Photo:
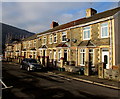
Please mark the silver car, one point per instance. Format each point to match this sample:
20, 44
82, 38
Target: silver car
30, 64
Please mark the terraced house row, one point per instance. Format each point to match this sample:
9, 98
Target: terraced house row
92, 39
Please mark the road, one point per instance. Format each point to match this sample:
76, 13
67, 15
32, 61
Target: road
45, 85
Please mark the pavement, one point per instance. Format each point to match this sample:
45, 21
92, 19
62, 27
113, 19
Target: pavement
93, 79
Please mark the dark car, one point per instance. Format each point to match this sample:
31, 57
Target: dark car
30, 64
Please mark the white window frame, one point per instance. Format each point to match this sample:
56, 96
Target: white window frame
54, 55
59, 55
50, 39
50, 54
24, 44
86, 30
30, 44
44, 40
64, 34
41, 53
82, 51
93, 55
103, 27
34, 43
55, 36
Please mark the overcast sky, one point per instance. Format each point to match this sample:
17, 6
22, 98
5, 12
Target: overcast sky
37, 16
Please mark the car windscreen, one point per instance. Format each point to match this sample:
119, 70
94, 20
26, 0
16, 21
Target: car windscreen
32, 61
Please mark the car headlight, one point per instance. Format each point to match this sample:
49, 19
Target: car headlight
31, 66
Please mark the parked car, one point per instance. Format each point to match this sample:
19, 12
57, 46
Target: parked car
30, 64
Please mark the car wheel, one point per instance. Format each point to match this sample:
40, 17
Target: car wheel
21, 67
28, 68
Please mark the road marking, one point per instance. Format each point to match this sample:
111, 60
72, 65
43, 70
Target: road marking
5, 86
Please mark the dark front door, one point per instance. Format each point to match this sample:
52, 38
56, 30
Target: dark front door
24, 54
65, 55
43, 57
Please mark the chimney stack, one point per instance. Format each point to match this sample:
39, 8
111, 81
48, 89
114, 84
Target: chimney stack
90, 12
53, 24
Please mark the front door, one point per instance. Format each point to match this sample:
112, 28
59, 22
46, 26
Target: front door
54, 55
24, 54
65, 55
43, 57
105, 58
54, 60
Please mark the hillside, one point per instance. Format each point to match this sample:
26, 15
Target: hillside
10, 33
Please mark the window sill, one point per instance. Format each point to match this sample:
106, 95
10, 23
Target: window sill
63, 41
82, 65
105, 37
86, 39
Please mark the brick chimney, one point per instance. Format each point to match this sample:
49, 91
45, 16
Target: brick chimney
90, 12
53, 24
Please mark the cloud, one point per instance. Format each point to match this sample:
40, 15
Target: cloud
37, 27
37, 16
65, 18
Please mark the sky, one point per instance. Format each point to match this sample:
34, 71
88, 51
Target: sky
37, 16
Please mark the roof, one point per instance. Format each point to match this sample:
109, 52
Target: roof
43, 46
84, 20
33, 48
24, 49
78, 22
30, 38
87, 43
62, 45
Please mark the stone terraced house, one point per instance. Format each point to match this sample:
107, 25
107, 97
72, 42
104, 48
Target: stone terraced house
92, 39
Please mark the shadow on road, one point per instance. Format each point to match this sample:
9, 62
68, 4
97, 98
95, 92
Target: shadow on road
27, 87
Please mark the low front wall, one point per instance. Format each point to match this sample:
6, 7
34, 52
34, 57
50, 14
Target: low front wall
71, 68
112, 74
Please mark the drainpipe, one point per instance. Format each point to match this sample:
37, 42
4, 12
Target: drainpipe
110, 56
70, 43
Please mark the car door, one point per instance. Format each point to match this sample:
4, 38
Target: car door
23, 63
27, 63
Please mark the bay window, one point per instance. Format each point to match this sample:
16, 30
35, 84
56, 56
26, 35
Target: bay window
91, 56
59, 55
82, 57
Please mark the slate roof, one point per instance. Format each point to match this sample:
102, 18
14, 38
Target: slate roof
79, 21
84, 20
43, 46
30, 38
24, 50
62, 45
86, 43
33, 48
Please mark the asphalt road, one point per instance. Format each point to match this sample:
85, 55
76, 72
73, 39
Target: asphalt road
44, 85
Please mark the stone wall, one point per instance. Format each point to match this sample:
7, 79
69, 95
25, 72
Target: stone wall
112, 74
71, 68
